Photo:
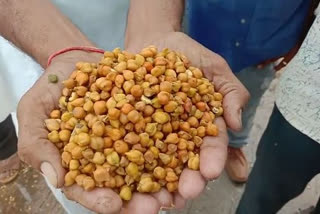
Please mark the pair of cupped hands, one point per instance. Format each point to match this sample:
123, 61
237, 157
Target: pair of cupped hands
42, 98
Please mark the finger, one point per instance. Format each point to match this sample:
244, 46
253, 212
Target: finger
33, 146
141, 203
213, 153
164, 198
178, 201
233, 103
44, 157
100, 200
191, 184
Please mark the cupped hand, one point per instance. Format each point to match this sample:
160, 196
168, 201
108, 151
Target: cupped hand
213, 152
36, 150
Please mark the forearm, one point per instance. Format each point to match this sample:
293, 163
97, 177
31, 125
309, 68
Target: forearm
38, 28
149, 18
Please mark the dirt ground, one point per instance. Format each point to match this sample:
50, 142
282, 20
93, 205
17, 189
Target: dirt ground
29, 193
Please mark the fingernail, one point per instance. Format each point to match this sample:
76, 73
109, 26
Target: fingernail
50, 173
164, 208
240, 118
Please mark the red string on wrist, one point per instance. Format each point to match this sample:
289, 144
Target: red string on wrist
87, 49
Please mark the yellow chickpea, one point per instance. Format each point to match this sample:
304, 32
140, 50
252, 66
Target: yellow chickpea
100, 107
132, 170
54, 137
171, 106
113, 159
134, 156
218, 111
119, 181
66, 116
83, 139
79, 113
201, 131
132, 138
69, 83
114, 113
79, 179
101, 174
70, 177
217, 96
98, 128
126, 108
136, 91
182, 145
140, 106
52, 124
172, 138
145, 185
148, 111
82, 78
121, 147
172, 186
212, 129
114, 134
165, 159
79, 102
166, 86
185, 126
125, 193
55, 114
194, 162
74, 164
88, 106
119, 80
88, 183
172, 148
77, 152
88, 168
134, 116
171, 176
88, 154
197, 141
98, 158
144, 139
107, 142
159, 173
97, 143
163, 97
161, 117
66, 157
155, 151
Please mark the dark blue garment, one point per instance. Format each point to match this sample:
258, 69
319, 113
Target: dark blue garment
247, 32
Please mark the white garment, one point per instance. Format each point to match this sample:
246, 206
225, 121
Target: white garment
298, 93
103, 22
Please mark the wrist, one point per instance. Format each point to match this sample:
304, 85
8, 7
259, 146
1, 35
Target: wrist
75, 56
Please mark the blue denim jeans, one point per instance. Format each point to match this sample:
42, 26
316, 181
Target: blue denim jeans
257, 81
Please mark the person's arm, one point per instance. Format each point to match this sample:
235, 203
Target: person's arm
38, 28
150, 18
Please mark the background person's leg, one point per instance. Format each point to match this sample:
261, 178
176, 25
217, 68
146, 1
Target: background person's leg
8, 138
9, 161
286, 161
257, 81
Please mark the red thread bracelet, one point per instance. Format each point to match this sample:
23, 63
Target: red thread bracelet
87, 49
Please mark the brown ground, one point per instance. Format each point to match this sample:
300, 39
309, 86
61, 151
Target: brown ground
29, 193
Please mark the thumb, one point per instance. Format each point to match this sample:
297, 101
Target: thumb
43, 156
233, 103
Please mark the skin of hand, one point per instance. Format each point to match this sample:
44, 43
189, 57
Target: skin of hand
213, 153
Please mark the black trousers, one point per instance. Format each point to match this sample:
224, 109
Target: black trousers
8, 138
286, 161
